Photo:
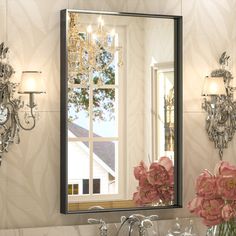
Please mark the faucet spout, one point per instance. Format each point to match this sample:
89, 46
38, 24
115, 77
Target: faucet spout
103, 226
142, 222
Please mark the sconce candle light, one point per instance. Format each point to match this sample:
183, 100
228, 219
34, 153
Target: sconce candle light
213, 86
31, 83
10, 122
220, 106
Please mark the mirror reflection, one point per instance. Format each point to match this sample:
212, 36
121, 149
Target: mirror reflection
120, 111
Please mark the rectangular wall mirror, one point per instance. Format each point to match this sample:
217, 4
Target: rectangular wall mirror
121, 111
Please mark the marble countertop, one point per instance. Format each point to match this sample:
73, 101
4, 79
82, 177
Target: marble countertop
160, 228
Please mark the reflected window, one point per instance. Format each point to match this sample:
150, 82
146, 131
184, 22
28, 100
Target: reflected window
73, 189
94, 122
162, 98
96, 186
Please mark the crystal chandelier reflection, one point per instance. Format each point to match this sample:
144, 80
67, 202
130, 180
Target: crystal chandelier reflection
91, 49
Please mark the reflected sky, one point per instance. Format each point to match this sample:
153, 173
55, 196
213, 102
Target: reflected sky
101, 128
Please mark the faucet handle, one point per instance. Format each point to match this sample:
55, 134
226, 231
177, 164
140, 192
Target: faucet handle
137, 217
153, 217
102, 223
146, 223
94, 221
123, 219
96, 208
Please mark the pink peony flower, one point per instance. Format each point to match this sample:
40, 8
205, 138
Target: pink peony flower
171, 176
224, 168
233, 206
227, 187
211, 211
228, 212
194, 206
158, 175
148, 194
206, 185
155, 183
167, 163
216, 195
140, 170
137, 199
166, 193
143, 181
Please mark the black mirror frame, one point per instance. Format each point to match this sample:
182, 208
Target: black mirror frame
178, 73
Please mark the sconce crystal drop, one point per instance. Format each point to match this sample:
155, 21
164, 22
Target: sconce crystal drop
220, 106
10, 122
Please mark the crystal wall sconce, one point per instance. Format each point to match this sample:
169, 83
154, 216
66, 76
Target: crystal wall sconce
220, 105
10, 106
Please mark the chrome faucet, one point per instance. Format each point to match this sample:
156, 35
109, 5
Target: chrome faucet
143, 223
102, 223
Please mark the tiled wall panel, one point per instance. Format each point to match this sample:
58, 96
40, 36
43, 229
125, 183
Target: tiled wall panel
29, 176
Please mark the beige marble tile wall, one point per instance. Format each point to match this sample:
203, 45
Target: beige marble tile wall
164, 43
3, 19
208, 31
29, 176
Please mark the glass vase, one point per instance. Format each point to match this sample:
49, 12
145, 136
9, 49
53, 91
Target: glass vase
227, 228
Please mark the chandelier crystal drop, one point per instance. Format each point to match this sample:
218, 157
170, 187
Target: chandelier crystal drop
91, 48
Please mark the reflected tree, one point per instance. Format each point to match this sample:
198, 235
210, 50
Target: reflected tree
103, 98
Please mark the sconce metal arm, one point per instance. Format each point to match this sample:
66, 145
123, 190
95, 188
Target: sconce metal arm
220, 121
32, 116
18, 104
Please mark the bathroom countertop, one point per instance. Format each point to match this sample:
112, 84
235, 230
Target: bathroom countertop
160, 226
